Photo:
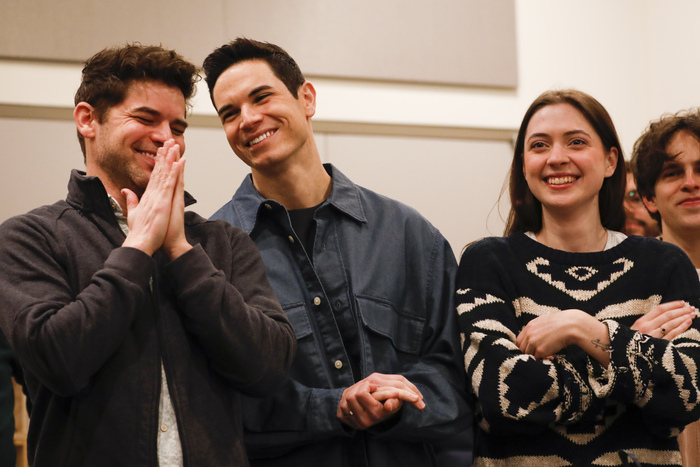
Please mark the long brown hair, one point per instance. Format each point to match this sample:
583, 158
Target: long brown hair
526, 210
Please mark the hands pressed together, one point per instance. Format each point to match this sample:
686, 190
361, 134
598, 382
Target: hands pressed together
375, 399
157, 220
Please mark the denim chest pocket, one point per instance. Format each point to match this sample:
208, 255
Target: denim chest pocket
381, 317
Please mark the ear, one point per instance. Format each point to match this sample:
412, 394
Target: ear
611, 161
307, 95
650, 203
85, 119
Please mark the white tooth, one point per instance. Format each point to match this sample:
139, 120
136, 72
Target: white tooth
561, 180
260, 138
147, 154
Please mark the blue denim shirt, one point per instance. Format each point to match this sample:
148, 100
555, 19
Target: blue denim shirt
394, 272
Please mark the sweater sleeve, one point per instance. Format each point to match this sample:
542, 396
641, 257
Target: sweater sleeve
659, 376
516, 392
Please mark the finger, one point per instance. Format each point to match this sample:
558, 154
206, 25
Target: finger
392, 405
175, 151
385, 393
397, 381
659, 310
179, 187
131, 199
666, 322
677, 328
365, 401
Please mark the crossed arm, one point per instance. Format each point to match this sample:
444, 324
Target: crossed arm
546, 335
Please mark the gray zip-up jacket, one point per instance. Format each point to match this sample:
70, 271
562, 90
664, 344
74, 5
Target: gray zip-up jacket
91, 321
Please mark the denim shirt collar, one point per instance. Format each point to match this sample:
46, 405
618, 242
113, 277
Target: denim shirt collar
248, 203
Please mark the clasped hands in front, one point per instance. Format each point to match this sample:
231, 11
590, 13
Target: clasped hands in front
376, 399
157, 219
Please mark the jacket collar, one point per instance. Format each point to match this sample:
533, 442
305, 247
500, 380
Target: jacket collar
88, 194
249, 204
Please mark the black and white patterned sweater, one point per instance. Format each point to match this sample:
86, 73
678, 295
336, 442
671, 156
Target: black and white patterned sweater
571, 410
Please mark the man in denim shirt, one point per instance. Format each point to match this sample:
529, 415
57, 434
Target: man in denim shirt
366, 282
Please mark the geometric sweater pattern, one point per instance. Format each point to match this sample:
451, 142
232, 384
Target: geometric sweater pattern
570, 410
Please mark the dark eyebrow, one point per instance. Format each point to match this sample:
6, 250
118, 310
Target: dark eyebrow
155, 113
259, 89
566, 133
575, 132
252, 93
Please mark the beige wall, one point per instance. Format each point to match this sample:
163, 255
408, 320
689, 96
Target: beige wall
391, 40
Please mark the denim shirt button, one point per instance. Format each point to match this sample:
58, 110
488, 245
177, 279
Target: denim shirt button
338, 364
338, 304
291, 239
268, 206
317, 301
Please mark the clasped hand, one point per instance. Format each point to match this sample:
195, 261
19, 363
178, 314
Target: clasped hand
157, 220
375, 399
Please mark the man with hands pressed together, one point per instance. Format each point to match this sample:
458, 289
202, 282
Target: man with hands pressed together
138, 325
365, 281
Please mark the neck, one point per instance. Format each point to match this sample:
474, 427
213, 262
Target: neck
577, 234
687, 241
301, 185
112, 190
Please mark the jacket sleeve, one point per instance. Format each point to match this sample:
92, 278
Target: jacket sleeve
516, 392
63, 336
235, 316
658, 376
437, 373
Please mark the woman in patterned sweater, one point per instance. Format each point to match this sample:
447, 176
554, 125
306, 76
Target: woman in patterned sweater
579, 343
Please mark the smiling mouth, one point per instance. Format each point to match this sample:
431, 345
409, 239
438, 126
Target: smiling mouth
260, 138
560, 180
147, 154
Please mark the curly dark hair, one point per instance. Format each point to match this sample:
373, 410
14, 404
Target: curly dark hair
108, 74
241, 49
649, 151
526, 211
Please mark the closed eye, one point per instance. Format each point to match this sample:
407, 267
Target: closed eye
228, 115
261, 97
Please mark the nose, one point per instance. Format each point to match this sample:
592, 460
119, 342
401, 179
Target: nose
162, 132
249, 116
691, 180
557, 155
